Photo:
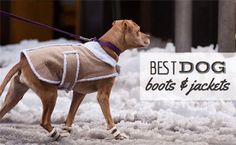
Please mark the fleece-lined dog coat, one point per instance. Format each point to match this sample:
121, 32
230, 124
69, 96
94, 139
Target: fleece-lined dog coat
69, 64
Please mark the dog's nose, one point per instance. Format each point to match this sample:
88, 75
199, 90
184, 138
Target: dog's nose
148, 36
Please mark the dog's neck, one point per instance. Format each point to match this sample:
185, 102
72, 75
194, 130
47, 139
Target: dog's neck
114, 39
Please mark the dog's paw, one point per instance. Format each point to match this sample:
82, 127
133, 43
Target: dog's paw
121, 136
65, 131
117, 134
54, 134
65, 134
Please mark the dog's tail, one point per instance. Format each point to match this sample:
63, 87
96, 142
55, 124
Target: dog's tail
8, 77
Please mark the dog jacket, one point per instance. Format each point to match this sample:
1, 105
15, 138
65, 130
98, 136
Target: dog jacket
68, 64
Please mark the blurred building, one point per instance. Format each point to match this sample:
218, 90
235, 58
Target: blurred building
185, 22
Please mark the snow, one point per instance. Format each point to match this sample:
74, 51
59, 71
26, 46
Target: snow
157, 122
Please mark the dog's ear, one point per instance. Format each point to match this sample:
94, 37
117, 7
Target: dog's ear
125, 26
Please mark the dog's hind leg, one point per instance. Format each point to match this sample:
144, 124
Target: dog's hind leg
48, 96
14, 95
75, 103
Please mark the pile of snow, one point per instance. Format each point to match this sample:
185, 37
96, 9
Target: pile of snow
158, 122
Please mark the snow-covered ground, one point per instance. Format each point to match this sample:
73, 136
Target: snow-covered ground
157, 122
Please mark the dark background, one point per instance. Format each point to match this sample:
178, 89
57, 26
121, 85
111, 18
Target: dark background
93, 18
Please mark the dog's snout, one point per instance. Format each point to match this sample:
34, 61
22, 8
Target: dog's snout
147, 36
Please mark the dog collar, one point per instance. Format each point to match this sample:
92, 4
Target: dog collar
109, 45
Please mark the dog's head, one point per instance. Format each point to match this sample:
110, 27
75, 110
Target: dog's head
132, 36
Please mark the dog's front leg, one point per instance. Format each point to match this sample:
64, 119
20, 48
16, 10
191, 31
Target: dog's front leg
103, 99
75, 103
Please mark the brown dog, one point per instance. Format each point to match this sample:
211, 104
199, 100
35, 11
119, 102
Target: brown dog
124, 34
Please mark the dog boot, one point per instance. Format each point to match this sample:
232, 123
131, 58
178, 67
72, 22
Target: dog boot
65, 131
117, 134
54, 134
